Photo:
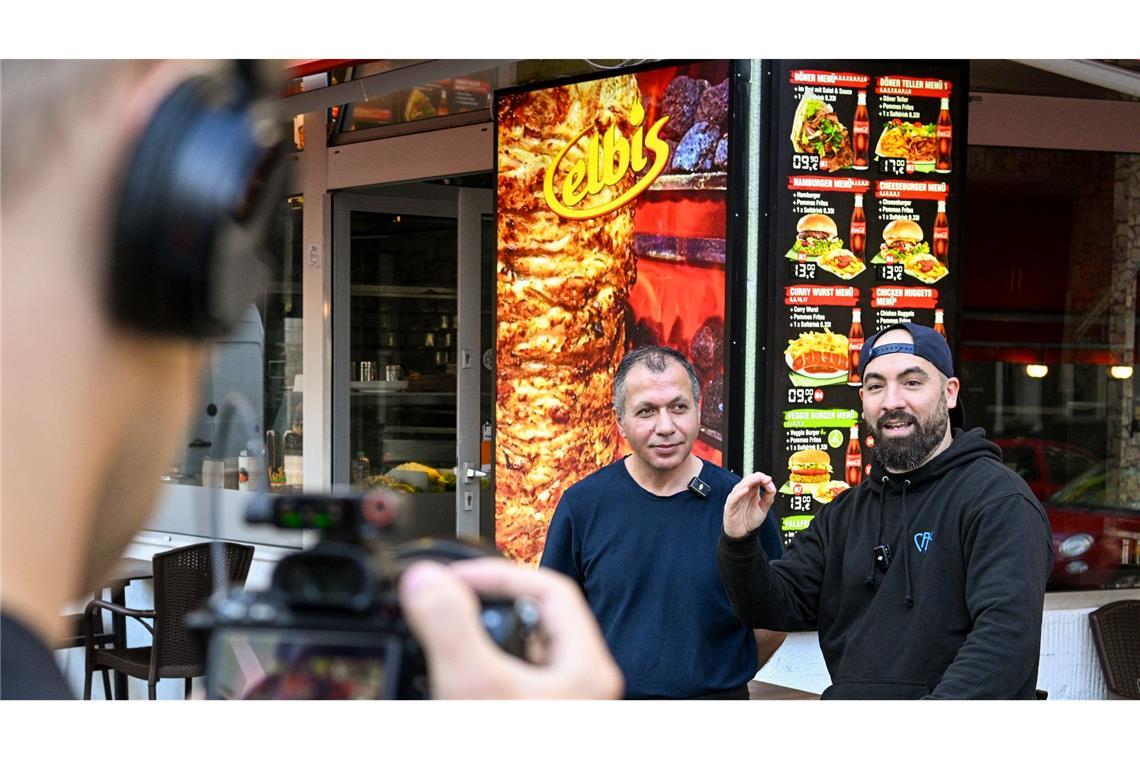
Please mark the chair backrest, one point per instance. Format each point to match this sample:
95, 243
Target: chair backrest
1116, 634
183, 582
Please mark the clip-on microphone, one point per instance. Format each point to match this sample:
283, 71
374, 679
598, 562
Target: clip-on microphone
882, 554
700, 488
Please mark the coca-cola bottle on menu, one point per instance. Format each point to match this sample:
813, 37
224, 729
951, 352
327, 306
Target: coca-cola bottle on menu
855, 342
862, 131
854, 459
941, 234
945, 137
939, 327
858, 236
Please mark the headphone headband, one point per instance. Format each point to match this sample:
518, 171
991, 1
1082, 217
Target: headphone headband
197, 198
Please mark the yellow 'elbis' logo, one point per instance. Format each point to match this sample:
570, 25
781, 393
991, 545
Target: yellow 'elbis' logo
596, 172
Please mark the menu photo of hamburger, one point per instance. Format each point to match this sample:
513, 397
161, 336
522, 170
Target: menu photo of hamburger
808, 470
816, 235
816, 130
818, 358
911, 140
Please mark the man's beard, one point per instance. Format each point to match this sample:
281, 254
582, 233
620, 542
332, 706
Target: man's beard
906, 453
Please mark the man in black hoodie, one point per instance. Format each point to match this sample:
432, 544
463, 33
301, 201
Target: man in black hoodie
928, 579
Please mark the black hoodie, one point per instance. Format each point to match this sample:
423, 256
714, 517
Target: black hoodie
957, 614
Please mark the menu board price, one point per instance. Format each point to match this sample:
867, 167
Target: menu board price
889, 272
804, 271
801, 162
805, 395
800, 503
895, 166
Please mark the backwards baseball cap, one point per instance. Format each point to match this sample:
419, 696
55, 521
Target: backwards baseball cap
927, 344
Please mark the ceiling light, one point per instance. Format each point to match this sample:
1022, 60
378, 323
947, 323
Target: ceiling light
1120, 371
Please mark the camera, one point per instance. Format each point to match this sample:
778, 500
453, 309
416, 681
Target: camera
330, 626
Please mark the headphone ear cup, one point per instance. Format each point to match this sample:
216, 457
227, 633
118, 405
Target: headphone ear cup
197, 194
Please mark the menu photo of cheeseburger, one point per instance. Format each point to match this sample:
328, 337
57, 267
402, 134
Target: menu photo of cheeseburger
903, 244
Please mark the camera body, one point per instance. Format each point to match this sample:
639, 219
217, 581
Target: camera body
330, 625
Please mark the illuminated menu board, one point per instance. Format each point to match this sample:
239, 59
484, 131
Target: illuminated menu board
612, 225
867, 179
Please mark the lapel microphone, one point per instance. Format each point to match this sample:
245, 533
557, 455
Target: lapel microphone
700, 488
883, 556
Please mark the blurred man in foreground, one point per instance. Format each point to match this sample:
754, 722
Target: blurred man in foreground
102, 360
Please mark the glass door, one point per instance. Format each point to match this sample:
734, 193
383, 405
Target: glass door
407, 350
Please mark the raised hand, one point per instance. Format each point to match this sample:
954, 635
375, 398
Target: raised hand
747, 504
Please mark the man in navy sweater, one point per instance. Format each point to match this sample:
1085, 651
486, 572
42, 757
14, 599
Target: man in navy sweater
639, 536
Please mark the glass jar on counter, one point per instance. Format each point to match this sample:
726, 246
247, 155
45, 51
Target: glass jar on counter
361, 468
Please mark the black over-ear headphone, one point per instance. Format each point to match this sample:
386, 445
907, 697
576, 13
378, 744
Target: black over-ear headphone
198, 194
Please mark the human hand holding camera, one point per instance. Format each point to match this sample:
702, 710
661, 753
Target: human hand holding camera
441, 605
747, 504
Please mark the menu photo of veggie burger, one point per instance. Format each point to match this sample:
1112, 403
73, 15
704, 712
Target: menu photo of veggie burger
818, 358
912, 140
808, 470
817, 130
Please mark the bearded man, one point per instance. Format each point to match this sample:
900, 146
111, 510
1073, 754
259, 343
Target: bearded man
928, 579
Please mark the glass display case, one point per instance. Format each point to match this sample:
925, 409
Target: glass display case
401, 346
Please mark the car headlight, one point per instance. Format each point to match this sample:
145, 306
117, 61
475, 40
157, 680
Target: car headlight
1076, 567
1076, 545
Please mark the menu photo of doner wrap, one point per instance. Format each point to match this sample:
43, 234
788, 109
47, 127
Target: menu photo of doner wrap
862, 223
612, 220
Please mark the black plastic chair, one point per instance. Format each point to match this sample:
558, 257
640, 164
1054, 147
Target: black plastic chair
1116, 634
74, 625
183, 582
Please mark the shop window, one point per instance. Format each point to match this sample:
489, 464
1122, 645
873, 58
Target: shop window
249, 424
429, 100
1047, 345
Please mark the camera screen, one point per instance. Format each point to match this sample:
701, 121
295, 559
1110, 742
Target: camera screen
301, 664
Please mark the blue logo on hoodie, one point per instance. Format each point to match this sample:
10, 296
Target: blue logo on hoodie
923, 540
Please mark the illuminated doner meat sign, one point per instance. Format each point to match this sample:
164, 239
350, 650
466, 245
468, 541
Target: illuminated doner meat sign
606, 163
611, 217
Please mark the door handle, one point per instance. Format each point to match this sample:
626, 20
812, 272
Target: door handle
470, 473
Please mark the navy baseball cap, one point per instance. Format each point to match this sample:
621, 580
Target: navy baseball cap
927, 344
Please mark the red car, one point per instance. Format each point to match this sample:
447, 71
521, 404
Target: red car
1096, 544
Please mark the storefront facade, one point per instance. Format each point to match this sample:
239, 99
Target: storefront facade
379, 357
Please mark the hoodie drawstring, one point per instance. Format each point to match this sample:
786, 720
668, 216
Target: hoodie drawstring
909, 598
870, 579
